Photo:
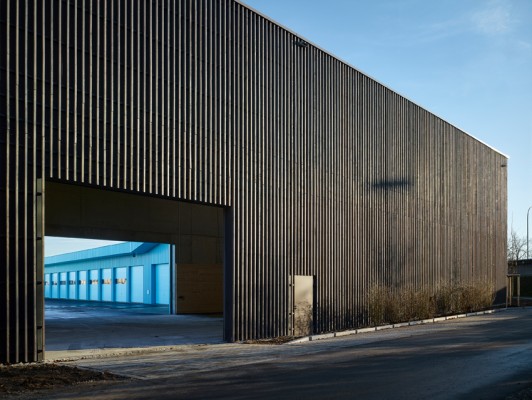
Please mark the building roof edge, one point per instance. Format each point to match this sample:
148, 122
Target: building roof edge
310, 42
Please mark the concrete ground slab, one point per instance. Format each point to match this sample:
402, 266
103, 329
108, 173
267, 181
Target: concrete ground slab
78, 328
482, 357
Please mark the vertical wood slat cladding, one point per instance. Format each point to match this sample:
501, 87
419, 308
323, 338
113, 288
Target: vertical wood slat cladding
21, 112
326, 172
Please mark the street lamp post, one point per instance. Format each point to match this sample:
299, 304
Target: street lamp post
527, 239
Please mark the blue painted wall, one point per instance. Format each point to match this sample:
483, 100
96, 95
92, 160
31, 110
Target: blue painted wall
132, 272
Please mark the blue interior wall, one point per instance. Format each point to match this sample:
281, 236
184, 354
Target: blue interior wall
106, 263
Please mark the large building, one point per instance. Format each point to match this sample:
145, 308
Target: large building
133, 272
126, 272
205, 125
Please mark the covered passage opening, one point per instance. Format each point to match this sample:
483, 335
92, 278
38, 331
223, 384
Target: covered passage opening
107, 271
184, 278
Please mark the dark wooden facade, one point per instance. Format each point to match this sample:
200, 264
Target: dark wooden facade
322, 170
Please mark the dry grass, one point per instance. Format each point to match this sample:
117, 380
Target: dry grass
393, 305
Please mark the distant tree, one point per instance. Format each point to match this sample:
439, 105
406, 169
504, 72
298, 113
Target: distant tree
516, 249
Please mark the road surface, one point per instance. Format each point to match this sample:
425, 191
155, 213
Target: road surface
481, 357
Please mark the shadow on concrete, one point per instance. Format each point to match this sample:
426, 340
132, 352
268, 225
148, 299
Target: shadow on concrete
83, 325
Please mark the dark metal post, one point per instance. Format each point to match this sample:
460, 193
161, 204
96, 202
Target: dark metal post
527, 239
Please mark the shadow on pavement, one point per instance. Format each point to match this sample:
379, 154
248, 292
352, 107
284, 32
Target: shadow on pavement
81, 325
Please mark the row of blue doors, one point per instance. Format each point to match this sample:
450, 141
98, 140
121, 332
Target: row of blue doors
134, 284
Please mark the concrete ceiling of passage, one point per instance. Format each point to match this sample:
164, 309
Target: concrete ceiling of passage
84, 212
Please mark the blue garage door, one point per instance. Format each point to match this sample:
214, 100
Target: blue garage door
121, 284
137, 284
94, 284
47, 285
63, 292
82, 285
107, 285
55, 285
162, 284
72, 285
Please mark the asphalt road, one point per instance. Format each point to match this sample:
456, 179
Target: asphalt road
482, 357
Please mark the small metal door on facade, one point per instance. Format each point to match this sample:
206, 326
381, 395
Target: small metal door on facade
63, 287
136, 287
72, 285
162, 284
82, 285
121, 284
303, 305
107, 284
47, 286
94, 284
55, 285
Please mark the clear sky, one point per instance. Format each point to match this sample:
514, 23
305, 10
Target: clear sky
467, 61
59, 245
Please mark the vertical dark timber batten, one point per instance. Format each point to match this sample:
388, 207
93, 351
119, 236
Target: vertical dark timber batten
5, 170
15, 266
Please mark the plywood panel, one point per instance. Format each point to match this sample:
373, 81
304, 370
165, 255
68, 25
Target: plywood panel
199, 289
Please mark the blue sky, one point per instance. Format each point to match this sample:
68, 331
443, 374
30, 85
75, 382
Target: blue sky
59, 245
468, 61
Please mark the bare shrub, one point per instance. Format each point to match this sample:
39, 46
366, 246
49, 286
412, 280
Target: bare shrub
303, 319
392, 305
477, 296
447, 299
420, 304
465, 297
377, 299
387, 305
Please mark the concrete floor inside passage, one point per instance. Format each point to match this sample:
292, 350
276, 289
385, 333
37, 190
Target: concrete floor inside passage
77, 327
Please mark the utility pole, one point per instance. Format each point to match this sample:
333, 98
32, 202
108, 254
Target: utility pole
527, 239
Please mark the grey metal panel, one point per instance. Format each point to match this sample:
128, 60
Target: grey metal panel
325, 171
